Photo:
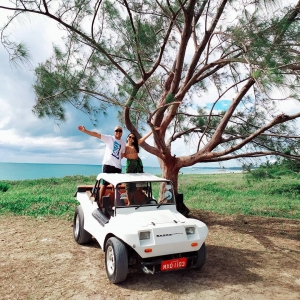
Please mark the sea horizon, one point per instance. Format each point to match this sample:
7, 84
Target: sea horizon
23, 171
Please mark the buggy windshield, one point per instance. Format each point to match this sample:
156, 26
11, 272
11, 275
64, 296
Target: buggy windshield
144, 193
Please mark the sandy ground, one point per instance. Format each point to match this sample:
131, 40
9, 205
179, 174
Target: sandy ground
248, 258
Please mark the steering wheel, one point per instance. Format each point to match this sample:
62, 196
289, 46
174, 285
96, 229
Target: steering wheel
153, 201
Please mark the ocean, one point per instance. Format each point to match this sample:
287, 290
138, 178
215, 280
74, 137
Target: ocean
22, 171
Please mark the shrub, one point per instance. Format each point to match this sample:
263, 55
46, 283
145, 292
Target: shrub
292, 188
259, 174
4, 186
284, 172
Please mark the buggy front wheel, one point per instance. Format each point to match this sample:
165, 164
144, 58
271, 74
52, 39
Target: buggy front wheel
201, 257
116, 260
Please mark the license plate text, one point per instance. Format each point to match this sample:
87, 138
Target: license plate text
173, 264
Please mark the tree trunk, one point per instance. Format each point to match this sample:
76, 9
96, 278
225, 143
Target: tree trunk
170, 171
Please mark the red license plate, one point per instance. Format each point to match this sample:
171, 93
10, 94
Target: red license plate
173, 264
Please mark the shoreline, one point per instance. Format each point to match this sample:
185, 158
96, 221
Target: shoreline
95, 175
24, 171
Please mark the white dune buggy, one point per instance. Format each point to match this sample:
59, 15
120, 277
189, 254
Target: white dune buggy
138, 224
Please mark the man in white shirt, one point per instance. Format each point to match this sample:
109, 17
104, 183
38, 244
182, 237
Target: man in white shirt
115, 148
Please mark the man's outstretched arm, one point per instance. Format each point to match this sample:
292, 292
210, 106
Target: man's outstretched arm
92, 133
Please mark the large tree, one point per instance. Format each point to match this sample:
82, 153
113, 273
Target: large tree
159, 62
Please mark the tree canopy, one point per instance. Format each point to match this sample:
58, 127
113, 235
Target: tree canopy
161, 62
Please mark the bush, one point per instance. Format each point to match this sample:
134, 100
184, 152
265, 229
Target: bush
293, 165
284, 172
259, 174
4, 186
291, 189
281, 167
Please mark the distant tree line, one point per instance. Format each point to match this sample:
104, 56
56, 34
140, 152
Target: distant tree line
281, 167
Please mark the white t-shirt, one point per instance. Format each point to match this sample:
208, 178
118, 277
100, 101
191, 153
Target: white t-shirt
114, 148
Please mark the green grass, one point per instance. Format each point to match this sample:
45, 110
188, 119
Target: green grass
42, 197
234, 194
221, 193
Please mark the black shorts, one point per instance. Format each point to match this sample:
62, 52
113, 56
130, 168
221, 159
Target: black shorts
109, 169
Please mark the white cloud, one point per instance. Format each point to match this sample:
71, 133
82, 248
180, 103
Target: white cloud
289, 106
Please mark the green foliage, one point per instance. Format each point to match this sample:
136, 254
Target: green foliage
204, 119
170, 98
42, 197
222, 193
256, 74
282, 167
232, 194
289, 164
266, 44
291, 189
21, 55
58, 82
4, 186
259, 174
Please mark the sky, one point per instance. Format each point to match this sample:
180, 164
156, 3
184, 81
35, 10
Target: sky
25, 138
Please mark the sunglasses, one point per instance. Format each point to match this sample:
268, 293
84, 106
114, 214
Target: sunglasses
131, 137
118, 130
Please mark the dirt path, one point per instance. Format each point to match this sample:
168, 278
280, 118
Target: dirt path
248, 258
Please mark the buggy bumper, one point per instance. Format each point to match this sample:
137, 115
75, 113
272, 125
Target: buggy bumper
155, 265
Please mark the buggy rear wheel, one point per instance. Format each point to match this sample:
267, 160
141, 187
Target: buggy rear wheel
81, 236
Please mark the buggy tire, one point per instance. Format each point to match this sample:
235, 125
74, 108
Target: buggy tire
116, 260
81, 236
201, 257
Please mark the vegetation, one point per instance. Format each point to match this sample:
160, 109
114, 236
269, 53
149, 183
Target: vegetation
160, 61
4, 186
233, 194
42, 197
222, 193
280, 167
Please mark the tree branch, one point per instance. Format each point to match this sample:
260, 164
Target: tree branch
75, 30
277, 120
250, 155
97, 6
135, 38
204, 42
217, 137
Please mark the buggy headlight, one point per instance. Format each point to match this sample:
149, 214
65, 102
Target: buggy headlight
190, 230
144, 235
